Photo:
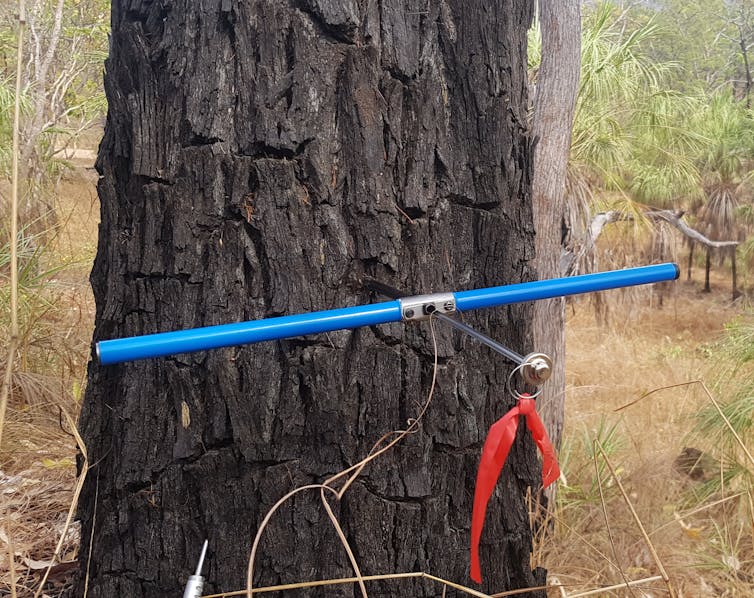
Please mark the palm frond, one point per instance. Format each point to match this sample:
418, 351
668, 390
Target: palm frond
628, 131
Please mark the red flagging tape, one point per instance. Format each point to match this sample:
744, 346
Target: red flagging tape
496, 448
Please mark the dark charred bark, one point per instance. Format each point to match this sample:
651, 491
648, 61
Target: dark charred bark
707, 265
258, 159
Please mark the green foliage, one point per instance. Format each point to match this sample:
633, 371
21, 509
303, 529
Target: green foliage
696, 36
60, 85
724, 159
660, 118
746, 251
7, 97
36, 290
662, 169
578, 459
728, 129
630, 130
614, 78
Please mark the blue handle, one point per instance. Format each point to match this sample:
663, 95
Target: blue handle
256, 331
560, 287
226, 335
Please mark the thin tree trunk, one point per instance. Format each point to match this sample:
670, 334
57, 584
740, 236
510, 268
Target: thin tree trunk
735, 293
554, 104
259, 158
707, 266
44, 53
747, 70
691, 261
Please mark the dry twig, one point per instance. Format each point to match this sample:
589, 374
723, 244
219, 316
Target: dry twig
74, 501
635, 516
596, 444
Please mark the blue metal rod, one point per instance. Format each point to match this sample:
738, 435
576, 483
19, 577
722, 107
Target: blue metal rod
560, 287
241, 333
226, 335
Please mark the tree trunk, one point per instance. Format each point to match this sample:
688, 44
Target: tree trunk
554, 105
259, 158
735, 293
691, 261
747, 70
707, 266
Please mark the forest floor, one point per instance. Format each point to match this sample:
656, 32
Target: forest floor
702, 541
633, 387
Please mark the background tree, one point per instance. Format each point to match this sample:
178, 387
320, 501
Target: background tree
740, 16
725, 159
636, 141
694, 35
710, 41
66, 43
636, 144
260, 158
557, 82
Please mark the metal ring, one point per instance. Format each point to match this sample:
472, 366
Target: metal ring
514, 393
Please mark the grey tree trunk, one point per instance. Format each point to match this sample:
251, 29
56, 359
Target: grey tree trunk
259, 159
735, 293
554, 105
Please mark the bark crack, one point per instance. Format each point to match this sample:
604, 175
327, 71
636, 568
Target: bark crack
467, 202
411, 500
262, 150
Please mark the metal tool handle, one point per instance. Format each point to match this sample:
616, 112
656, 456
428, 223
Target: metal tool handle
195, 583
194, 587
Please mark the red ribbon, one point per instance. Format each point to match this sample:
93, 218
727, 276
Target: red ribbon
496, 448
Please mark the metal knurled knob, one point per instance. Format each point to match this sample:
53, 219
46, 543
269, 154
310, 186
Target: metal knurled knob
537, 369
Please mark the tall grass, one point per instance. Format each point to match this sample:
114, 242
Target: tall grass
700, 526
722, 430
36, 286
7, 101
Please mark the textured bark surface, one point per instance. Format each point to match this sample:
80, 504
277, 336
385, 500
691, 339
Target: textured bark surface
258, 159
554, 104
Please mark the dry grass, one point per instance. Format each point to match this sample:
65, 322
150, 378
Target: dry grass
706, 545
36, 489
39, 450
